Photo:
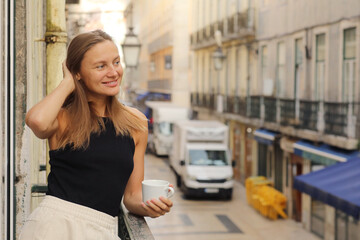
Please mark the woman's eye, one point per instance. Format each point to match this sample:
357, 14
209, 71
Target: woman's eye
100, 67
117, 62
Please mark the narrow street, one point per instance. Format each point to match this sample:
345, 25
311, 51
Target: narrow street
215, 219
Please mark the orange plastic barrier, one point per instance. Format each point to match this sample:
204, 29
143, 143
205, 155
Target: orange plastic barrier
264, 198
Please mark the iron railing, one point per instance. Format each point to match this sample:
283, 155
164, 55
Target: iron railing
270, 109
309, 114
255, 106
212, 101
336, 116
287, 112
332, 118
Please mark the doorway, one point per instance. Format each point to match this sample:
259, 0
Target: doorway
296, 170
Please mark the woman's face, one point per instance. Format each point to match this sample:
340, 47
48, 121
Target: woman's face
101, 70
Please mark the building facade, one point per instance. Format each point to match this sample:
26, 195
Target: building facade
163, 29
290, 79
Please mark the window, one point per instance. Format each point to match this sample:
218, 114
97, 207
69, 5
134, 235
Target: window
263, 63
168, 62
349, 51
280, 70
317, 209
317, 218
165, 128
320, 67
346, 227
201, 157
298, 66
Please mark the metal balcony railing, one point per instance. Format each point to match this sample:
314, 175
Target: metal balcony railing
309, 114
287, 112
229, 106
205, 100
255, 102
194, 99
231, 24
212, 31
270, 109
336, 116
220, 26
212, 101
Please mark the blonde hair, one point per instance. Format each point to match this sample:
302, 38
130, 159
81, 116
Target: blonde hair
79, 116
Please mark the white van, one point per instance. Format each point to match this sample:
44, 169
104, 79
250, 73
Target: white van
201, 158
163, 115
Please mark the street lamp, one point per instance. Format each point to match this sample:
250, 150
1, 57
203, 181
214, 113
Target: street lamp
131, 46
218, 57
131, 49
218, 54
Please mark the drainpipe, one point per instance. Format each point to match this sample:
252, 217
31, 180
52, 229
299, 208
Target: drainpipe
55, 38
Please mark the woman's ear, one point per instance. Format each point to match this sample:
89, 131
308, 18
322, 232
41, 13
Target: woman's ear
77, 76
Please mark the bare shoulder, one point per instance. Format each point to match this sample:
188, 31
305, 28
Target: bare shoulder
136, 112
139, 115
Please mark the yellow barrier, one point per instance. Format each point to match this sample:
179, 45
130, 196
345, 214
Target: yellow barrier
264, 198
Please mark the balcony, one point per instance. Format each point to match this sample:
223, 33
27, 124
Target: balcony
205, 100
194, 99
270, 109
255, 106
309, 114
337, 124
212, 101
287, 112
240, 106
336, 118
237, 26
231, 25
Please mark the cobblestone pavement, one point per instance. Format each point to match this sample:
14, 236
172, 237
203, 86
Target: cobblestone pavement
216, 219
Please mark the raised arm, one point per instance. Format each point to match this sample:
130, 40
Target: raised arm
42, 118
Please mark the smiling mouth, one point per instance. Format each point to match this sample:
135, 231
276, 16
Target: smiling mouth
111, 83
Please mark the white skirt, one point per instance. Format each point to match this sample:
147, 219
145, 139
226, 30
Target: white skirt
56, 219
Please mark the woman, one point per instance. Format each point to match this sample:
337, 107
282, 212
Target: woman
97, 148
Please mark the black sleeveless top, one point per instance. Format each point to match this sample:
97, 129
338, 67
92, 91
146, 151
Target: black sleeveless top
97, 176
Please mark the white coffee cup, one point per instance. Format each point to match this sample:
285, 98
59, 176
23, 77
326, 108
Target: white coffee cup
155, 189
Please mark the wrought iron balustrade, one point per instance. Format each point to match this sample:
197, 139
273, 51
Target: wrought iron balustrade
270, 109
204, 34
255, 106
212, 101
309, 114
287, 112
194, 99
205, 100
336, 118
231, 24
241, 106
212, 30
229, 106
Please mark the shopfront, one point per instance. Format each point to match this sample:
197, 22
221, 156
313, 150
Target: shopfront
270, 156
332, 186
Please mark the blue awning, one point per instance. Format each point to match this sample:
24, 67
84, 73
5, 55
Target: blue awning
337, 185
323, 154
265, 136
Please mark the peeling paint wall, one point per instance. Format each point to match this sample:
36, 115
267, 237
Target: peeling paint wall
21, 166
30, 87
